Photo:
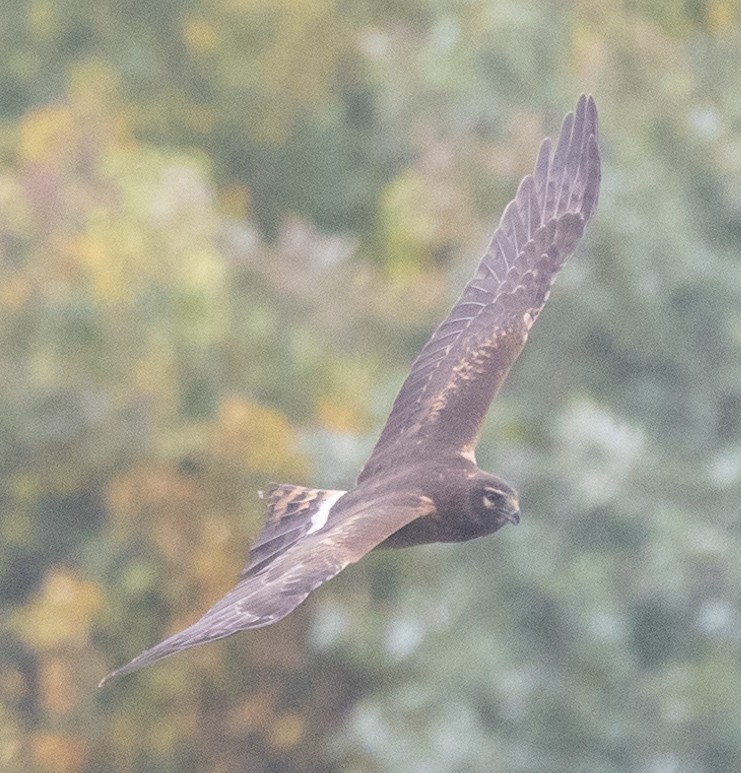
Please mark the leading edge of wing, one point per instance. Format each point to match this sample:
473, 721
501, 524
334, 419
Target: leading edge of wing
451, 384
266, 597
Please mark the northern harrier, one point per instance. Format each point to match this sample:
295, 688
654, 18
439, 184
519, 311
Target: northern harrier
421, 482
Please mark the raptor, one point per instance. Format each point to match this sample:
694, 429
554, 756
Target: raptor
421, 482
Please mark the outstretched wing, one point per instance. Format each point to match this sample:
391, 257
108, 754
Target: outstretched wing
265, 597
453, 381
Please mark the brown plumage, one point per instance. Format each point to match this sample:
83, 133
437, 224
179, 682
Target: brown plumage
421, 483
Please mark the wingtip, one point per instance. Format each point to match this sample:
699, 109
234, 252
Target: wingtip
154, 654
542, 164
594, 177
117, 672
108, 678
593, 117
587, 103
588, 108
565, 134
581, 106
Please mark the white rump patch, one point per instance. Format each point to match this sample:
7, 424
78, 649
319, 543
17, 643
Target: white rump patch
470, 454
319, 519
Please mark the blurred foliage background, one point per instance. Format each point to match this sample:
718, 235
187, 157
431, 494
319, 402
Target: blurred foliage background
226, 228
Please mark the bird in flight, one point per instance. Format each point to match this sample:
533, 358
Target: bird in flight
421, 482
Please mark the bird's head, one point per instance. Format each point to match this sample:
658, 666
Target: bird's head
494, 503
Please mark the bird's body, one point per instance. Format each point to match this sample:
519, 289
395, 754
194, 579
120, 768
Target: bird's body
456, 487
421, 483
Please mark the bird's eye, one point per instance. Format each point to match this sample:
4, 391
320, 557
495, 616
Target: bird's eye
492, 498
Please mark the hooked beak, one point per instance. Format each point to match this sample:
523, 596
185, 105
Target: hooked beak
514, 514
513, 517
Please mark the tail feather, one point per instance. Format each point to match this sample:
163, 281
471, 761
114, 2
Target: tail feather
293, 512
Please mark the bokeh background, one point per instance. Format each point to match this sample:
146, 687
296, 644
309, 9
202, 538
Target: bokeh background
226, 228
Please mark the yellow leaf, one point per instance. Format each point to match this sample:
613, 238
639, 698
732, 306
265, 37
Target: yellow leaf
287, 730
720, 16
199, 35
61, 613
60, 753
234, 200
47, 133
260, 438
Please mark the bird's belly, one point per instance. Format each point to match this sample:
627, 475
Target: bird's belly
431, 528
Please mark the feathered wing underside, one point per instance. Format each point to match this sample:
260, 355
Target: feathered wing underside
266, 596
456, 375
